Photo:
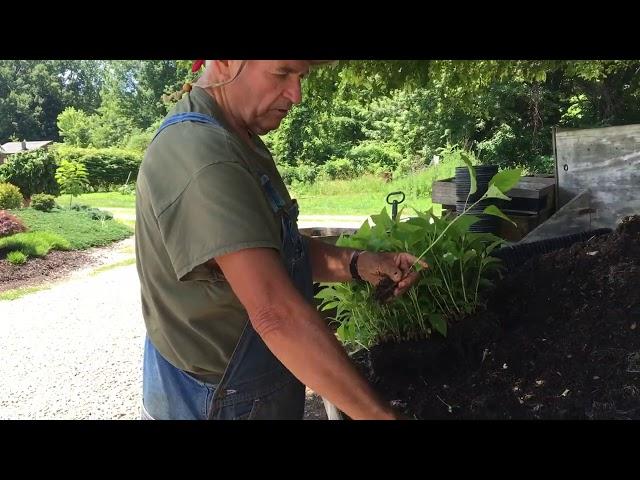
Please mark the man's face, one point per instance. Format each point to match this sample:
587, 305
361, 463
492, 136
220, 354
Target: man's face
265, 91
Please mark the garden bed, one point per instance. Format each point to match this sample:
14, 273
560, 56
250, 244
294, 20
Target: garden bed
79, 242
560, 339
36, 271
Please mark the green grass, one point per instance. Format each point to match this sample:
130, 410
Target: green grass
20, 292
100, 200
16, 257
361, 196
76, 227
123, 207
34, 244
367, 195
122, 263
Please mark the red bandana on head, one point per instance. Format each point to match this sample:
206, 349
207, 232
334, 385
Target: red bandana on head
197, 65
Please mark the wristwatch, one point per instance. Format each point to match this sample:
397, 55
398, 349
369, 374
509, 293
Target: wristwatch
353, 265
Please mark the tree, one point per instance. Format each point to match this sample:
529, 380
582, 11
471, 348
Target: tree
72, 178
34, 92
75, 127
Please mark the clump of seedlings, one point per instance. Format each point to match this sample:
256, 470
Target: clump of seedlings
460, 270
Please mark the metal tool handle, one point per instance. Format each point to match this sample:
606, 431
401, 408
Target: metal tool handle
394, 204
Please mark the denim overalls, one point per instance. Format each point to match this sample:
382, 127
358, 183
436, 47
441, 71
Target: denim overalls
255, 384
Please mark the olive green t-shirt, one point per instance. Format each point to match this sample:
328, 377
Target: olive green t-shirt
198, 197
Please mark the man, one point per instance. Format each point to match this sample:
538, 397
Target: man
226, 279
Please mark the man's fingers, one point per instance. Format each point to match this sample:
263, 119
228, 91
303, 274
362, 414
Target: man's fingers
406, 261
393, 271
406, 282
400, 291
423, 263
400, 271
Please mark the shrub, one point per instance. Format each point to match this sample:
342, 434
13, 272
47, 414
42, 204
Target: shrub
43, 202
78, 207
16, 258
10, 224
32, 172
97, 214
302, 173
10, 196
385, 157
106, 167
338, 169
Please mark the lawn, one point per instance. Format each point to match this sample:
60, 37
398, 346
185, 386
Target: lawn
362, 196
101, 200
75, 226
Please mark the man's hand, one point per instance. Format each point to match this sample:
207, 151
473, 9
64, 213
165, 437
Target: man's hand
373, 267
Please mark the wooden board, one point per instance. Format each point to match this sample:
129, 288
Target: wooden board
605, 161
574, 217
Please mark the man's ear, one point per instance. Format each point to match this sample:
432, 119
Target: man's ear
224, 68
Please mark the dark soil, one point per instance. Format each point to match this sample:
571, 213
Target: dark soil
560, 339
384, 290
314, 407
36, 271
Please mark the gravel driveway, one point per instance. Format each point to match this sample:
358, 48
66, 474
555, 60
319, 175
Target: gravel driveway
74, 351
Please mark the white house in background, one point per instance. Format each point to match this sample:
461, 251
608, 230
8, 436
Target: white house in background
23, 146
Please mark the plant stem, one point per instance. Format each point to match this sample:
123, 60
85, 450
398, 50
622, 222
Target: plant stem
435, 297
475, 302
445, 230
444, 279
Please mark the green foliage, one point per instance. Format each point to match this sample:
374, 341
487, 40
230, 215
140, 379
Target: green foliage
34, 92
32, 171
381, 116
10, 196
133, 90
16, 258
75, 127
127, 189
43, 202
35, 243
92, 212
374, 157
139, 140
75, 226
295, 176
451, 288
97, 214
460, 269
10, 224
338, 168
72, 178
106, 167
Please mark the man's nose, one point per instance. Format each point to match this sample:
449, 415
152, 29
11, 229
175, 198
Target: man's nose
294, 91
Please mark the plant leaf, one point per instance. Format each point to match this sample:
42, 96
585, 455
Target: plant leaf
468, 255
439, 323
382, 219
462, 224
494, 192
472, 173
506, 179
496, 212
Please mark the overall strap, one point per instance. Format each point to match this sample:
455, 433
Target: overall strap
186, 117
